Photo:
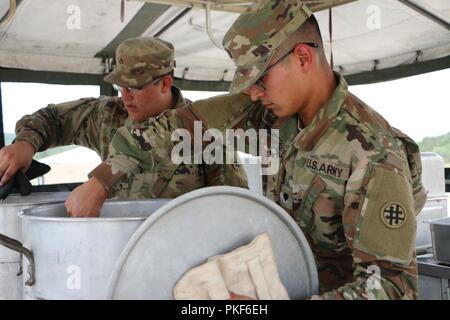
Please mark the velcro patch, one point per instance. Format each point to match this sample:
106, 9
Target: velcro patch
386, 227
326, 168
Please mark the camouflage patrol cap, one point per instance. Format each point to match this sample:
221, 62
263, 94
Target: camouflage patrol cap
140, 60
253, 38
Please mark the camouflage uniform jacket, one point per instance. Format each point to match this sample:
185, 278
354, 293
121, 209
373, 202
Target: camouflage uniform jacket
140, 159
329, 182
89, 122
336, 177
353, 184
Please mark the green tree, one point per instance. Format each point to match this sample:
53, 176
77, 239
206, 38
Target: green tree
440, 145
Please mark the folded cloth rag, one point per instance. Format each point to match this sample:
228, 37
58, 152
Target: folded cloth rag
249, 271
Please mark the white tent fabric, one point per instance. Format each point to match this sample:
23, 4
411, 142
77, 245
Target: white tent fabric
367, 35
357, 42
44, 34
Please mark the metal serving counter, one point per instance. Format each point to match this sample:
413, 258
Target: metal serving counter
433, 279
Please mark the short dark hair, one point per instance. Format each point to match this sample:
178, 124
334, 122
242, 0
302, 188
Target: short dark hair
310, 30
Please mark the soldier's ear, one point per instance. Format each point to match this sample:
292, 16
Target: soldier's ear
167, 82
304, 55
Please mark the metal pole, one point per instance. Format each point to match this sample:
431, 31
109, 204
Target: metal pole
426, 13
10, 13
2, 134
208, 27
171, 23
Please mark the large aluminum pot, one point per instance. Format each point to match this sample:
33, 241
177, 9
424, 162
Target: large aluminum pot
74, 257
10, 283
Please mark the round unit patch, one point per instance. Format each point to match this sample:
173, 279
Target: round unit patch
393, 215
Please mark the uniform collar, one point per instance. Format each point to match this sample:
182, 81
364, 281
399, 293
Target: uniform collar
288, 130
180, 101
308, 137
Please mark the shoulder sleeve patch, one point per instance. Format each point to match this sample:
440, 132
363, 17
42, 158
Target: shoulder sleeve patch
393, 215
386, 227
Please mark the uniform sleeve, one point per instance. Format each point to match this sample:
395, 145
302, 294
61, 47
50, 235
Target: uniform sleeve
78, 122
379, 225
136, 149
148, 147
415, 167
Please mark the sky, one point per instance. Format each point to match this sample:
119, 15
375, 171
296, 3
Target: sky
418, 105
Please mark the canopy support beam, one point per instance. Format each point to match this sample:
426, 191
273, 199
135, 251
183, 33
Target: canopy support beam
2, 135
426, 13
172, 22
398, 72
19, 75
143, 19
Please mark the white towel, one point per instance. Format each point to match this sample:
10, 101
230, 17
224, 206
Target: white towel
250, 271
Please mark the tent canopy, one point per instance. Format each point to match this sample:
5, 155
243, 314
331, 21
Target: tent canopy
55, 40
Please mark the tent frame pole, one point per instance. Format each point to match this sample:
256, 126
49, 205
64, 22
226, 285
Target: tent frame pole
426, 13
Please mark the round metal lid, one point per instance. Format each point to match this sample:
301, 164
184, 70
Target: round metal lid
210, 221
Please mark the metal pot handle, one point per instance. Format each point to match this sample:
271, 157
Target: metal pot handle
15, 245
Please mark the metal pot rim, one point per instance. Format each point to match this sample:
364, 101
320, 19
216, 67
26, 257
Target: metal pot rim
23, 215
34, 199
33, 212
31, 203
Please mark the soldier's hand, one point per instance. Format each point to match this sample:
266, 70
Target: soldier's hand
86, 200
14, 157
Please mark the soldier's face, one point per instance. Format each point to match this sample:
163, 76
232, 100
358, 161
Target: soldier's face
145, 103
278, 93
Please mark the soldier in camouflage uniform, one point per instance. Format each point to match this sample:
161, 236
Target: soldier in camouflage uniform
350, 180
144, 75
92, 122
147, 148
